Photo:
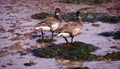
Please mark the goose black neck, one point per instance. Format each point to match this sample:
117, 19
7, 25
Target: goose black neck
57, 12
58, 17
79, 19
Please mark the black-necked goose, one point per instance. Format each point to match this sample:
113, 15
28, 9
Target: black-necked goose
71, 29
50, 24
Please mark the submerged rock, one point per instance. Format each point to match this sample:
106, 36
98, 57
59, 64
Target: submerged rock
115, 35
30, 63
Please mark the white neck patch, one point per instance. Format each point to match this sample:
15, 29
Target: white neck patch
79, 17
64, 34
57, 14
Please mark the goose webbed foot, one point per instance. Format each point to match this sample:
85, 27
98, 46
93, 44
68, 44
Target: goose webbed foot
42, 34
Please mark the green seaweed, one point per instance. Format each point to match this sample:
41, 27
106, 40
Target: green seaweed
71, 16
71, 1
110, 19
113, 56
72, 51
115, 35
48, 40
41, 16
107, 34
90, 2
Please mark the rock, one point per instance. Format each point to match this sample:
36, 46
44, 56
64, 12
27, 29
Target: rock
4, 37
9, 7
10, 63
11, 30
87, 29
17, 38
28, 6
4, 48
4, 53
28, 34
33, 47
3, 65
27, 43
30, 63
28, 50
22, 53
16, 46
115, 47
2, 29
96, 25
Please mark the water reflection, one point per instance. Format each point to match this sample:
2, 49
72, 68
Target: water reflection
68, 63
63, 63
44, 45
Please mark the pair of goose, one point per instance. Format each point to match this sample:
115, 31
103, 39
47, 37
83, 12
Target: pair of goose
70, 29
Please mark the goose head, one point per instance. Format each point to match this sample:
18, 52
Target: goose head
57, 12
78, 15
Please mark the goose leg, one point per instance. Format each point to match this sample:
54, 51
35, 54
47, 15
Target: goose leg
52, 34
72, 38
42, 34
65, 39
